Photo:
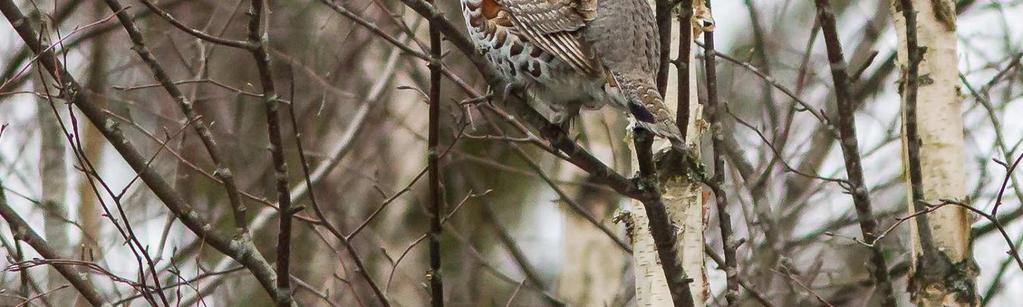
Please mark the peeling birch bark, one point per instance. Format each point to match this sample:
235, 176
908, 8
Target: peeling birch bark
940, 128
684, 200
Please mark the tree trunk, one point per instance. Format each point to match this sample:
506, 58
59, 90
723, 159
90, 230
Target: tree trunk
684, 200
594, 265
943, 272
52, 170
92, 142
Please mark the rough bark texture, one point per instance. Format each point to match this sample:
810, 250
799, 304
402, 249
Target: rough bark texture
951, 281
684, 200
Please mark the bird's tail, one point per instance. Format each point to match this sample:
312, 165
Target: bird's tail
666, 129
649, 112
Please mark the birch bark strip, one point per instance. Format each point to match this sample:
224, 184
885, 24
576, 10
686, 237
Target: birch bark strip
684, 201
940, 128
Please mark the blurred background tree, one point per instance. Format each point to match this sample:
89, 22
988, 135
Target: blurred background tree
521, 226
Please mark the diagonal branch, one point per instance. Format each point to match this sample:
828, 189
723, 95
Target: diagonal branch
240, 249
223, 172
663, 232
24, 232
199, 34
716, 114
851, 152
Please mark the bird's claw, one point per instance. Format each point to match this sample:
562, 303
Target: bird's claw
510, 89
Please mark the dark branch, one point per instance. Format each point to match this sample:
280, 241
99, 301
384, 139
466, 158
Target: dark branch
850, 151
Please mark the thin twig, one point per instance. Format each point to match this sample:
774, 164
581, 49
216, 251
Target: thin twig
716, 113
197, 33
436, 203
769, 79
745, 284
259, 37
804, 286
24, 232
201, 127
574, 205
240, 249
1013, 252
663, 232
312, 177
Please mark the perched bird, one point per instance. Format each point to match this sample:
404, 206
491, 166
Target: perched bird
572, 54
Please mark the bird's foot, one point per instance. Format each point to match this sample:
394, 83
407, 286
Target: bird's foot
488, 97
511, 89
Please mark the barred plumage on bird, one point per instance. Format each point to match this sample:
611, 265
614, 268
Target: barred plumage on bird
573, 54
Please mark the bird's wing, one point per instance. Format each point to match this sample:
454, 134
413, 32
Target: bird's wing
552, 25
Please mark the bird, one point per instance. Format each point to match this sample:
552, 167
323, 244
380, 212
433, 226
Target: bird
569, 55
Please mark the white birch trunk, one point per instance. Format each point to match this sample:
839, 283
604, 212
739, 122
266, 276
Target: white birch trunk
940, 126
52, 179
52, 169
684, 201
594, 266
